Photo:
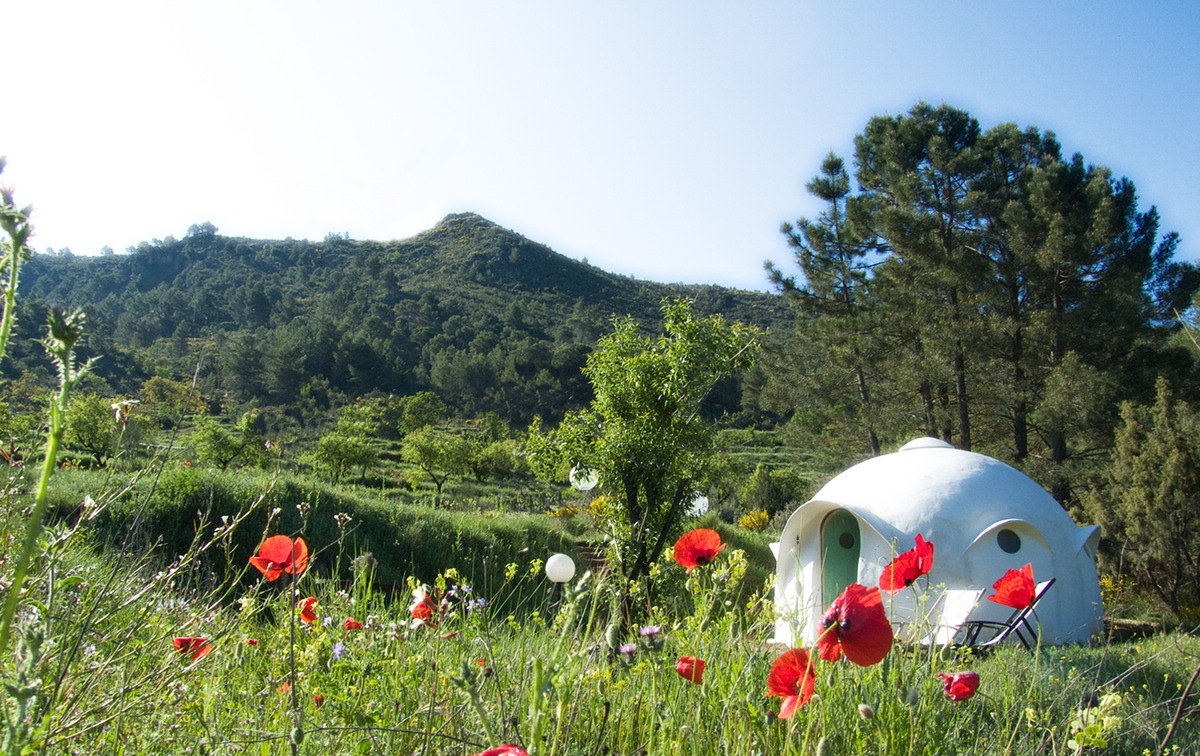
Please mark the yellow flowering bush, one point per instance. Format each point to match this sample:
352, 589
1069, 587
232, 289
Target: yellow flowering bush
755, 519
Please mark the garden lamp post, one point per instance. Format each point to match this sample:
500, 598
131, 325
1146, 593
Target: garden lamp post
560, 568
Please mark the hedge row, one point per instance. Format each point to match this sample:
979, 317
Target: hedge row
402, 539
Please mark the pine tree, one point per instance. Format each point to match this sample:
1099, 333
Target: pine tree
916, 171
1150, 505
834, 300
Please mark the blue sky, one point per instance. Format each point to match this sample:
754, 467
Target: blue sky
664, 140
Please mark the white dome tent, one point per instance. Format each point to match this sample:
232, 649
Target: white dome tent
983, 517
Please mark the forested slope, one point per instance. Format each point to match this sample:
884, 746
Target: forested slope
490, 320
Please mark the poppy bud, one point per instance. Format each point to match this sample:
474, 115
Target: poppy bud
612, 635
865, 711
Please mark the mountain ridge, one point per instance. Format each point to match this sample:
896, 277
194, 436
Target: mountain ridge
467, 308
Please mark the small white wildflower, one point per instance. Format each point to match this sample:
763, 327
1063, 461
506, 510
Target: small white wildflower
122, 409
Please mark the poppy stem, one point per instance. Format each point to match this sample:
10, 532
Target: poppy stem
535, 729
297, 715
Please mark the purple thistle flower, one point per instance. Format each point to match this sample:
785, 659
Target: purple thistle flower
651, 637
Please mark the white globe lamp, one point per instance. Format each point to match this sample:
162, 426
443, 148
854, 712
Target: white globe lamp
583, 479
560, 568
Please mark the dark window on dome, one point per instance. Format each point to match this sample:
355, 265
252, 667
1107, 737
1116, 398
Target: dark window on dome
846, 541
1009, 542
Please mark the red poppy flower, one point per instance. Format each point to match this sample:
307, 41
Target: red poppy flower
792, 678
1016, 588
961, 685
507, 749
251, 642
308, 609
352, 624
280, 554
857, 627
697, 547
690, 668
197, 647
318, 700
907, 567
423, 608
284, 688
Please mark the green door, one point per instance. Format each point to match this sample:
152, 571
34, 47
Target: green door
839, 554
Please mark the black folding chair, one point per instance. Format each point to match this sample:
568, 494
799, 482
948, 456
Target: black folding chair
983, 635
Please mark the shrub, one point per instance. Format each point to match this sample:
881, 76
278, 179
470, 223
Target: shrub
755, 519
771, 490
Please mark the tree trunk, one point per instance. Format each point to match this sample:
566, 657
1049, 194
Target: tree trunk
960, 396
1056, 437
865, 395
947, 428
1020, 430
926, 392
1020, 408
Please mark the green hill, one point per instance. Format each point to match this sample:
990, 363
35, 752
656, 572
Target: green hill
490, 320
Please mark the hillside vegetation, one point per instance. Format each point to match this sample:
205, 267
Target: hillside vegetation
491, 321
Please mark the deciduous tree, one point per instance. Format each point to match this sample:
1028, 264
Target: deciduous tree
169, 401
92, 426
420, 410
217, 445
437, 453
344, 449
645, 434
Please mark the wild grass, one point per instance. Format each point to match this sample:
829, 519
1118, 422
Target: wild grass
96, 670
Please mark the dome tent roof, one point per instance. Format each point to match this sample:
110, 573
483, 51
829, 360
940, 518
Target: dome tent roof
931, 487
